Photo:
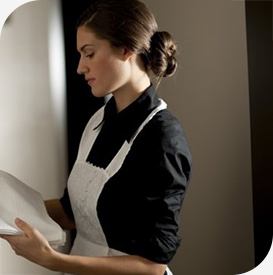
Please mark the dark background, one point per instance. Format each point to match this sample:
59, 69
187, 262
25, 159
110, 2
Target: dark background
260, 66
81, 104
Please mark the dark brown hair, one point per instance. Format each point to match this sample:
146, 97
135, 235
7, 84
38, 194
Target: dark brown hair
130, 24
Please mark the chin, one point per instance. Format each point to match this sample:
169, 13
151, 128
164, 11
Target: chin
99, 93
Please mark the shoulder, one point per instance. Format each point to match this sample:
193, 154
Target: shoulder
164, 152
163, 135
166, 123
164, 127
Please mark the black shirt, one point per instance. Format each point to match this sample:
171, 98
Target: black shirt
139, 206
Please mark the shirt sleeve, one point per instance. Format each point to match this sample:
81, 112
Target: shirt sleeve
167, 179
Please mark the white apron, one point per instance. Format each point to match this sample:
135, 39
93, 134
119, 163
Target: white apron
85, 184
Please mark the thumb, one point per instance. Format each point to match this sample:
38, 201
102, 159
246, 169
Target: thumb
26, 228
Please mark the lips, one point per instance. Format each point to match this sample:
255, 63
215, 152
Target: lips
90, 81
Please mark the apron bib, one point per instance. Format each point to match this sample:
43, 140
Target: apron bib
85, 185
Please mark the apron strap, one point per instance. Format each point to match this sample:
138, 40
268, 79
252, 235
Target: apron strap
90, 134
160, 107
117, 161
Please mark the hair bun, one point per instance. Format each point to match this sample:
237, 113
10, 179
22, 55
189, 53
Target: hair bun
162, 54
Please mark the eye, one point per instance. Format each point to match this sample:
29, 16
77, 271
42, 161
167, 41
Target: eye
89, 56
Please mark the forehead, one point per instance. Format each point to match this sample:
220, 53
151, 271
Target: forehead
85, 37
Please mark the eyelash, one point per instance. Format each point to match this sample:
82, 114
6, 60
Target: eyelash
90, 56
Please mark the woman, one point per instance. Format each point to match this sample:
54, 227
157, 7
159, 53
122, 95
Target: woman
126, 188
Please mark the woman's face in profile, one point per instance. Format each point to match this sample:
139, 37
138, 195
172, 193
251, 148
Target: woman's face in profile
102, 64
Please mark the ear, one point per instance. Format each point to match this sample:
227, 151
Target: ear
127, 54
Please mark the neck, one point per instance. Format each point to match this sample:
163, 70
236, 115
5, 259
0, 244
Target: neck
130, 92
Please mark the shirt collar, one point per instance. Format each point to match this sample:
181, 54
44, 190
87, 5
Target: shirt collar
130, 118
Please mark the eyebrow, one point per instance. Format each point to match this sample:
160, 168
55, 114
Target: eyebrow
84, 46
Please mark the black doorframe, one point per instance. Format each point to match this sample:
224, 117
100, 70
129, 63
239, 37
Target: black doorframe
81, 104
260, 66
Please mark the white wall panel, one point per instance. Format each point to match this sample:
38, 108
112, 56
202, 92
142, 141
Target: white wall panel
31, 130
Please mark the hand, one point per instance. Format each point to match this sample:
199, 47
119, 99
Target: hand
31, 245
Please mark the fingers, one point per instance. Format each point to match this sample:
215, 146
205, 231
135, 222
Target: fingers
14, 242
10, 238
7, 237
26, 229
22, 225
31, 245
3, 236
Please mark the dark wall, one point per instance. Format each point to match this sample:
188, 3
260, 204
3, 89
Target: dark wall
260, 62
81, 104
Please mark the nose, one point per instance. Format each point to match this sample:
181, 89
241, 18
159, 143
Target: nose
82, 68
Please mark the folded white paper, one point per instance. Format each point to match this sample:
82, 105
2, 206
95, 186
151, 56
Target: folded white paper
18, 200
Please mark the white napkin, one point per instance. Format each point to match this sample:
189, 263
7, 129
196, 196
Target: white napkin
17, 200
